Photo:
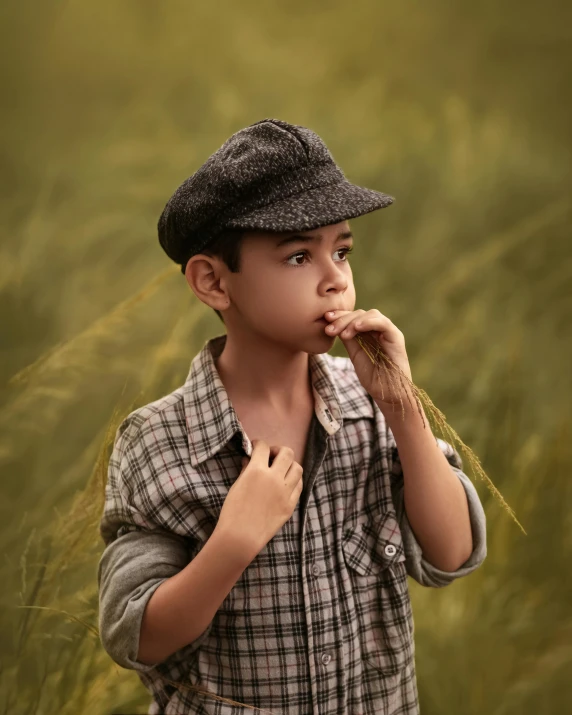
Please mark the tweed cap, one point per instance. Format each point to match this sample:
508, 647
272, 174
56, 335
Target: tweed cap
269, 176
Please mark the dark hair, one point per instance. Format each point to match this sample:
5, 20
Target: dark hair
225, 246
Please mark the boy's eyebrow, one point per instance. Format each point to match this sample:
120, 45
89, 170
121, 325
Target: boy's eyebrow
310, 239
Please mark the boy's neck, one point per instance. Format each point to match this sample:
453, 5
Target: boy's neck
277, 381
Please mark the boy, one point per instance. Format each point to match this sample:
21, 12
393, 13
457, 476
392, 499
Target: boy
224, 569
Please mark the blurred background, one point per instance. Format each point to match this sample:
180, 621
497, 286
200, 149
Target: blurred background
463, 112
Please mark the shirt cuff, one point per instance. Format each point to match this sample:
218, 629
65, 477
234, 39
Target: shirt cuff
130, 570
418, 567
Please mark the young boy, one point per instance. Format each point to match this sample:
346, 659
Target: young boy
224, 569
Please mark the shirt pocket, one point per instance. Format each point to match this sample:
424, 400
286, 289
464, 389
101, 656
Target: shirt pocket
374, 554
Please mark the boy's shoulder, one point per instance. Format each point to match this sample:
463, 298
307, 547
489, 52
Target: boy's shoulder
167, 410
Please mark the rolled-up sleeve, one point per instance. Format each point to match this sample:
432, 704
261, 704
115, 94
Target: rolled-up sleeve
137, 558
130, 570
417, 566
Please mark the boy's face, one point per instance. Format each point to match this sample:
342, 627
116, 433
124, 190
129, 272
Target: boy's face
283, 287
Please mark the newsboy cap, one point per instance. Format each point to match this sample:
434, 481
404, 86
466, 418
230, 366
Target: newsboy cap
269, 176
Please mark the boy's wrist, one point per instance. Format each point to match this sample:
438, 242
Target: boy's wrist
241, 551
399, 420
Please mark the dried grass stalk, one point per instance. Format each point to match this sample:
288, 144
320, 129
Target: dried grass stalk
395, 374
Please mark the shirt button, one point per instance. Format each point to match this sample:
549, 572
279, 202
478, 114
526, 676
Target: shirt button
326, 658
315, 569
390, 550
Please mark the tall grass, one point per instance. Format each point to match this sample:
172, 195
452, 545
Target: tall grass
108, 107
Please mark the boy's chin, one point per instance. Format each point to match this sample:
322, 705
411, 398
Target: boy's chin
326, 341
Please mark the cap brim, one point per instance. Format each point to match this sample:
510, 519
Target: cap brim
314, 208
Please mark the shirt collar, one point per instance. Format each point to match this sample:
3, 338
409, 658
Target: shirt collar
212, 420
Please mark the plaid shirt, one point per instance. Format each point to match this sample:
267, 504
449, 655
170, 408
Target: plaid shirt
320, 622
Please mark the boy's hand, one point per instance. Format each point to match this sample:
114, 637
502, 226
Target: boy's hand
263, 498
348, 323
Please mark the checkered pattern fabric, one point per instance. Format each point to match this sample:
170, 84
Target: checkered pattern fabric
320, 622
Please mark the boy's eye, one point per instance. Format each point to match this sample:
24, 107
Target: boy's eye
345, 251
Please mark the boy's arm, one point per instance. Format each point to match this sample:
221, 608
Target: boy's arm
182, 608
418, 567
130, 569
152, 601
143, 558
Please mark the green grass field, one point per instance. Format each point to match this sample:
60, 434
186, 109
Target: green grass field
463, 112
